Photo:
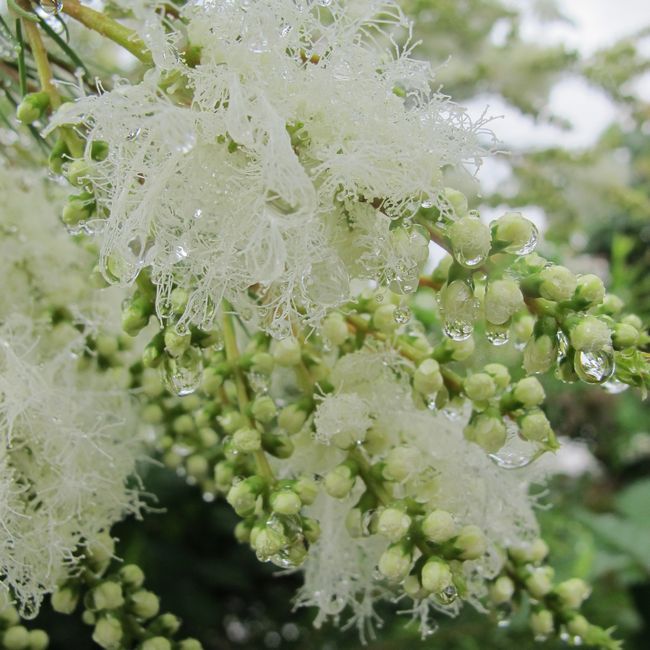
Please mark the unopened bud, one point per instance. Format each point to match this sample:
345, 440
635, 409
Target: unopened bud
470, 240
557, 283
541, 623
573, 592
108, 633
393, 524
540, 582
471, 543
590, 289
479, 387
285, 502
247, 440
427, 378
340, 481
590, 335
529, 392
503, 298
439, 526
395, 563
502, 590
287, 352
144, 604
535, 427
436, 576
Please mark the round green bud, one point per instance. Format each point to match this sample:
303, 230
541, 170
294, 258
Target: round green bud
590, 335
393, 524
243, 495
339, 481
107, 595
311, 529
178, 300
132, 576
88, 617
354, 523
573, 592
156, 643
503, 298
462, 350
541, 623
16, 638
264, 409
578, 626
413, 587
211, 381
487, 431
32, 107
540, 582
539, 354
529, 392
436, 576
208, 437
76, 210
590, 289
224, 473
190, 644
479, 387
268, 542
287, 352
197, 466
384, 319
232, 421
77, 171
625, 336
400, 463
535, 426
471, 543
8, 614
395, 563
335, 329
307, 489
457, 200
517, 233
243, 532
427, 378
262, 363
38, 640
108, 633
176, 344
499, 373
183, 424
64, 601
285, 502
470, 241
612, 304
247, 440
439, 526
166, 624
502, 590
144, 604
532, 553
134, 319
292, 418
634, 321
557, 283
522, 327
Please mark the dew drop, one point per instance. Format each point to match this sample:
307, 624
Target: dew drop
133, 134
516, 452
51, 7
182, 375
614, 386
402, 315
469, 262
594, 367
497, 334
448, 595
458, 330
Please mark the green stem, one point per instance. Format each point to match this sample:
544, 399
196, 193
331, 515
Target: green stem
111, 29
232, 355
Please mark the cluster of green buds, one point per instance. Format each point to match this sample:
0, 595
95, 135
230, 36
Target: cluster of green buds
14, 635
554, 606
124, 615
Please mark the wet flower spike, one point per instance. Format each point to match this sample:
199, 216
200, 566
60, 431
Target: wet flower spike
255, 200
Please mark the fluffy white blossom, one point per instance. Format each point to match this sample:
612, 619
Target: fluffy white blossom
276, 164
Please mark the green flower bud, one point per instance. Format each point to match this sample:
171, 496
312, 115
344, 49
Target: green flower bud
287, 352
77, 171
208, 437
393, 524
439, 526
487, 431
285, 502
413, 587
503, 298
578, 626
384, 319
471, 543
540, 582
279, 446
16, 638
268, 542
590, 335
502, 590
539, 354
395, 563
310, 529
243, 531
176, 344
340, 480
457, 200
183, 425
38, 640
612, 304
166, 624
590, 289
132, 576
247, 440
625, 336
101, 551
573, 592
400, 463
264, 409
532, 553
32, 107
99, 150
522, 328
634, 321
65, 600
135, 317
557, 283
108, 633
427, 378
514, 233
88, 617
354, 523
479, 387
78, 208
178, 300
307, 489
541, 623
107, 595
335, 329
262, 363
529, 392
8, 614
224, 473
144, 604
292, 418
470, 240
535, 427
243, 495
436, 576
232, 421
156, 643
197, 466
462, 350
190, 644
499, 373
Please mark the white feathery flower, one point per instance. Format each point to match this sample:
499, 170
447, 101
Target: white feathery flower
276, 164
66, 456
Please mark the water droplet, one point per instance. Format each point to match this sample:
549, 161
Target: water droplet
402, 315
497, 334
198, 213
516, 452
133, 134
182, 375
448, 595
51, 7
426, 204
180, 253
615, 386
469, 262
562, 345
458, 330
594, 367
